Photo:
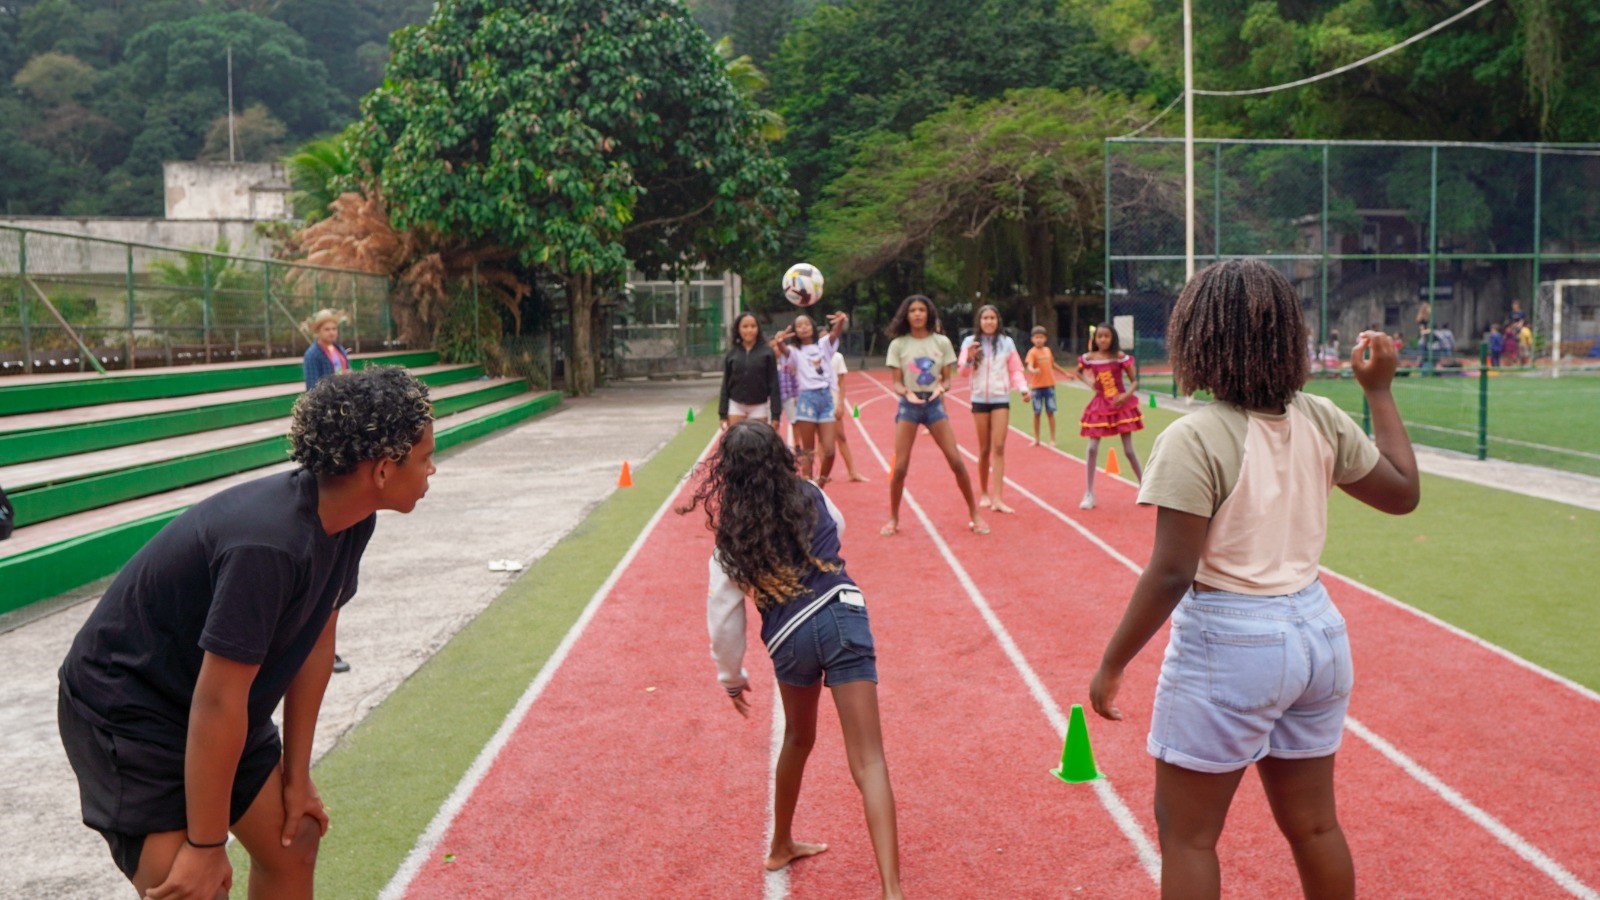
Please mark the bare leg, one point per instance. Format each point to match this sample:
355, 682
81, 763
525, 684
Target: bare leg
945, 437
276, 870
805, 438
863, 746
1052, 428
999, 427
841, 445
799, 735
156, 859
734, 420
1191, 808
1036, 429
1133, 456
826, 433
905, 434
1093, 460
1300, 792
980, 421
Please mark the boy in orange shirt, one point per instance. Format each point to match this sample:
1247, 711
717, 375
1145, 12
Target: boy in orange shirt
1041, 368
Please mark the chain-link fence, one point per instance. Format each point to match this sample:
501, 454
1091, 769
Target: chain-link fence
1452, 248
136, 305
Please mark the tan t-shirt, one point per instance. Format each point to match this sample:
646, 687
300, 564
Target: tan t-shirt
1263, 481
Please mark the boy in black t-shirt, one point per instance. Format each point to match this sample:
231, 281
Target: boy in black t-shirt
168, 691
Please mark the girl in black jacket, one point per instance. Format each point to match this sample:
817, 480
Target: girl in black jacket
749, 376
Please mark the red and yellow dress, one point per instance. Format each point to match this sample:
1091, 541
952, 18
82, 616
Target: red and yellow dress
1100, 417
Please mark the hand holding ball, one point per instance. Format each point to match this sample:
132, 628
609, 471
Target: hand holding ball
802, 284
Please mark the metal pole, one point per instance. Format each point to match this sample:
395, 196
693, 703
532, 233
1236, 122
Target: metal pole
1483, 399
1538, 231
1216, 194
23, 302
1323, 341
477, 342
205, 302
1433, 252
355, 315
131, 311
1105, 163
1188, 142
266, 307
1555, 337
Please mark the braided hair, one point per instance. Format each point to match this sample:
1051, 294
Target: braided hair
1237, 331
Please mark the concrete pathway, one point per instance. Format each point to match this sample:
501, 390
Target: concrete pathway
425, 576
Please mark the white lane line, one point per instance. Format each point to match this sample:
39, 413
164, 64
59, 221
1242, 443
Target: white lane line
1149, 857
430, 838
776, 885
1497, 829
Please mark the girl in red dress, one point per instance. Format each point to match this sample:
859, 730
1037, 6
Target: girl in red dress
1114, 409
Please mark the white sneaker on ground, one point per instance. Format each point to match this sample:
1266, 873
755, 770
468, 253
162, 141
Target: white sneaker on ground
1088, 501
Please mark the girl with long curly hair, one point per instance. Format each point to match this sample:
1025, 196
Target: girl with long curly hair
777, 541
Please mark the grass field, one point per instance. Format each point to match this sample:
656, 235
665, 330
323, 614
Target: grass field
1534, 419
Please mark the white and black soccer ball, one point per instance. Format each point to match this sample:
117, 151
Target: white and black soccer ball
802, 284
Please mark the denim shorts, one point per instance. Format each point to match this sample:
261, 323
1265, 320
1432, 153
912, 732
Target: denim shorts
814, 405
1248, 677
929, 414
835, 644
1044, 400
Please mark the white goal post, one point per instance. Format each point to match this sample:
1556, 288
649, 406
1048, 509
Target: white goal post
1559, 287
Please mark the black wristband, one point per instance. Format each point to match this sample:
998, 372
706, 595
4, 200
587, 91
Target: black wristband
191, 842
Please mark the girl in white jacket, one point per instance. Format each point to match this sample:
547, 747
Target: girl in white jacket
990, 358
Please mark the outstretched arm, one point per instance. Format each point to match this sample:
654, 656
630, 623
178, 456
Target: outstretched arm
726, 623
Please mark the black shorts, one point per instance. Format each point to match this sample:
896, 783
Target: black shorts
130, 788
989, 407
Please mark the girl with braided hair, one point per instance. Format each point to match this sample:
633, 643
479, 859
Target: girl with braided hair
777, 541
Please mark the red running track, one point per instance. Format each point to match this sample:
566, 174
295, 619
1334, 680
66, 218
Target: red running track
607, 788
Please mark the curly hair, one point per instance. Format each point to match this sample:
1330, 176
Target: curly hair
759, 510
1237, 331
898, 326
376, 413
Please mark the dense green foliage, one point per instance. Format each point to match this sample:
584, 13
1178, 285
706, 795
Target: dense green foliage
584, 135
104, 91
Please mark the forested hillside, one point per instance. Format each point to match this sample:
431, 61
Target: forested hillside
102, 91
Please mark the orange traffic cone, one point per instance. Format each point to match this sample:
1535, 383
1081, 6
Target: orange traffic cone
626, 478
1111, 463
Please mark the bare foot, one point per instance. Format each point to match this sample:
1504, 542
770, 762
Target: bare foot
983, 502
1035, 442
1001, 507
890, 529
857, 476
978, 526
796, 850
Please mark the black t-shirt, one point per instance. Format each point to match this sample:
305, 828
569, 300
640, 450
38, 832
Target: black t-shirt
248, 574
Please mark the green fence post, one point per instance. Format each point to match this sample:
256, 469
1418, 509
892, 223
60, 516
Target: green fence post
1216, 193
131, 311
1483, 399
1366, 415
1105, 163
23, 301
1538, 235
355, 315
205, 302
266, 307
1323, 340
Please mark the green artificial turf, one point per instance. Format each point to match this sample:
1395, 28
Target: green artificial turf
389, 776
1514, 570
1532, 418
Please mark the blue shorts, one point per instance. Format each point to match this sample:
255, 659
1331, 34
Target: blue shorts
835, 644
814, 405
929, 414
1248, 677
1044, 400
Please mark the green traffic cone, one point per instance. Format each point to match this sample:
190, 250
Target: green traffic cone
691, 415
1077, 759
855, 413
1152, 401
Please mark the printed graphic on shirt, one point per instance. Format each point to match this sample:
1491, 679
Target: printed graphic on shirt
925, 374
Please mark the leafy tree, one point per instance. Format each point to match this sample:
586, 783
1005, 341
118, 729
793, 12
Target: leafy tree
54, 79
1008, 194
759, 26
257, 136
319, 171
584, 134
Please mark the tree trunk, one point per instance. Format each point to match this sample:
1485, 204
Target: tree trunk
581, 361
1041, 269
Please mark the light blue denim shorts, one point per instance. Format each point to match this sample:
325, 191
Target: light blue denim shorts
814, 405
1248, 677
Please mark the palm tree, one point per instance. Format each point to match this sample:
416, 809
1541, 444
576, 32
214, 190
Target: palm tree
320, 171
750, 81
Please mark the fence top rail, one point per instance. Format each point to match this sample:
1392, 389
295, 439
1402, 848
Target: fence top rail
1569, 149
116, 242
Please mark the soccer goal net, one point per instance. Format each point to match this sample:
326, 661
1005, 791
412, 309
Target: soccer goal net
1566, 324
